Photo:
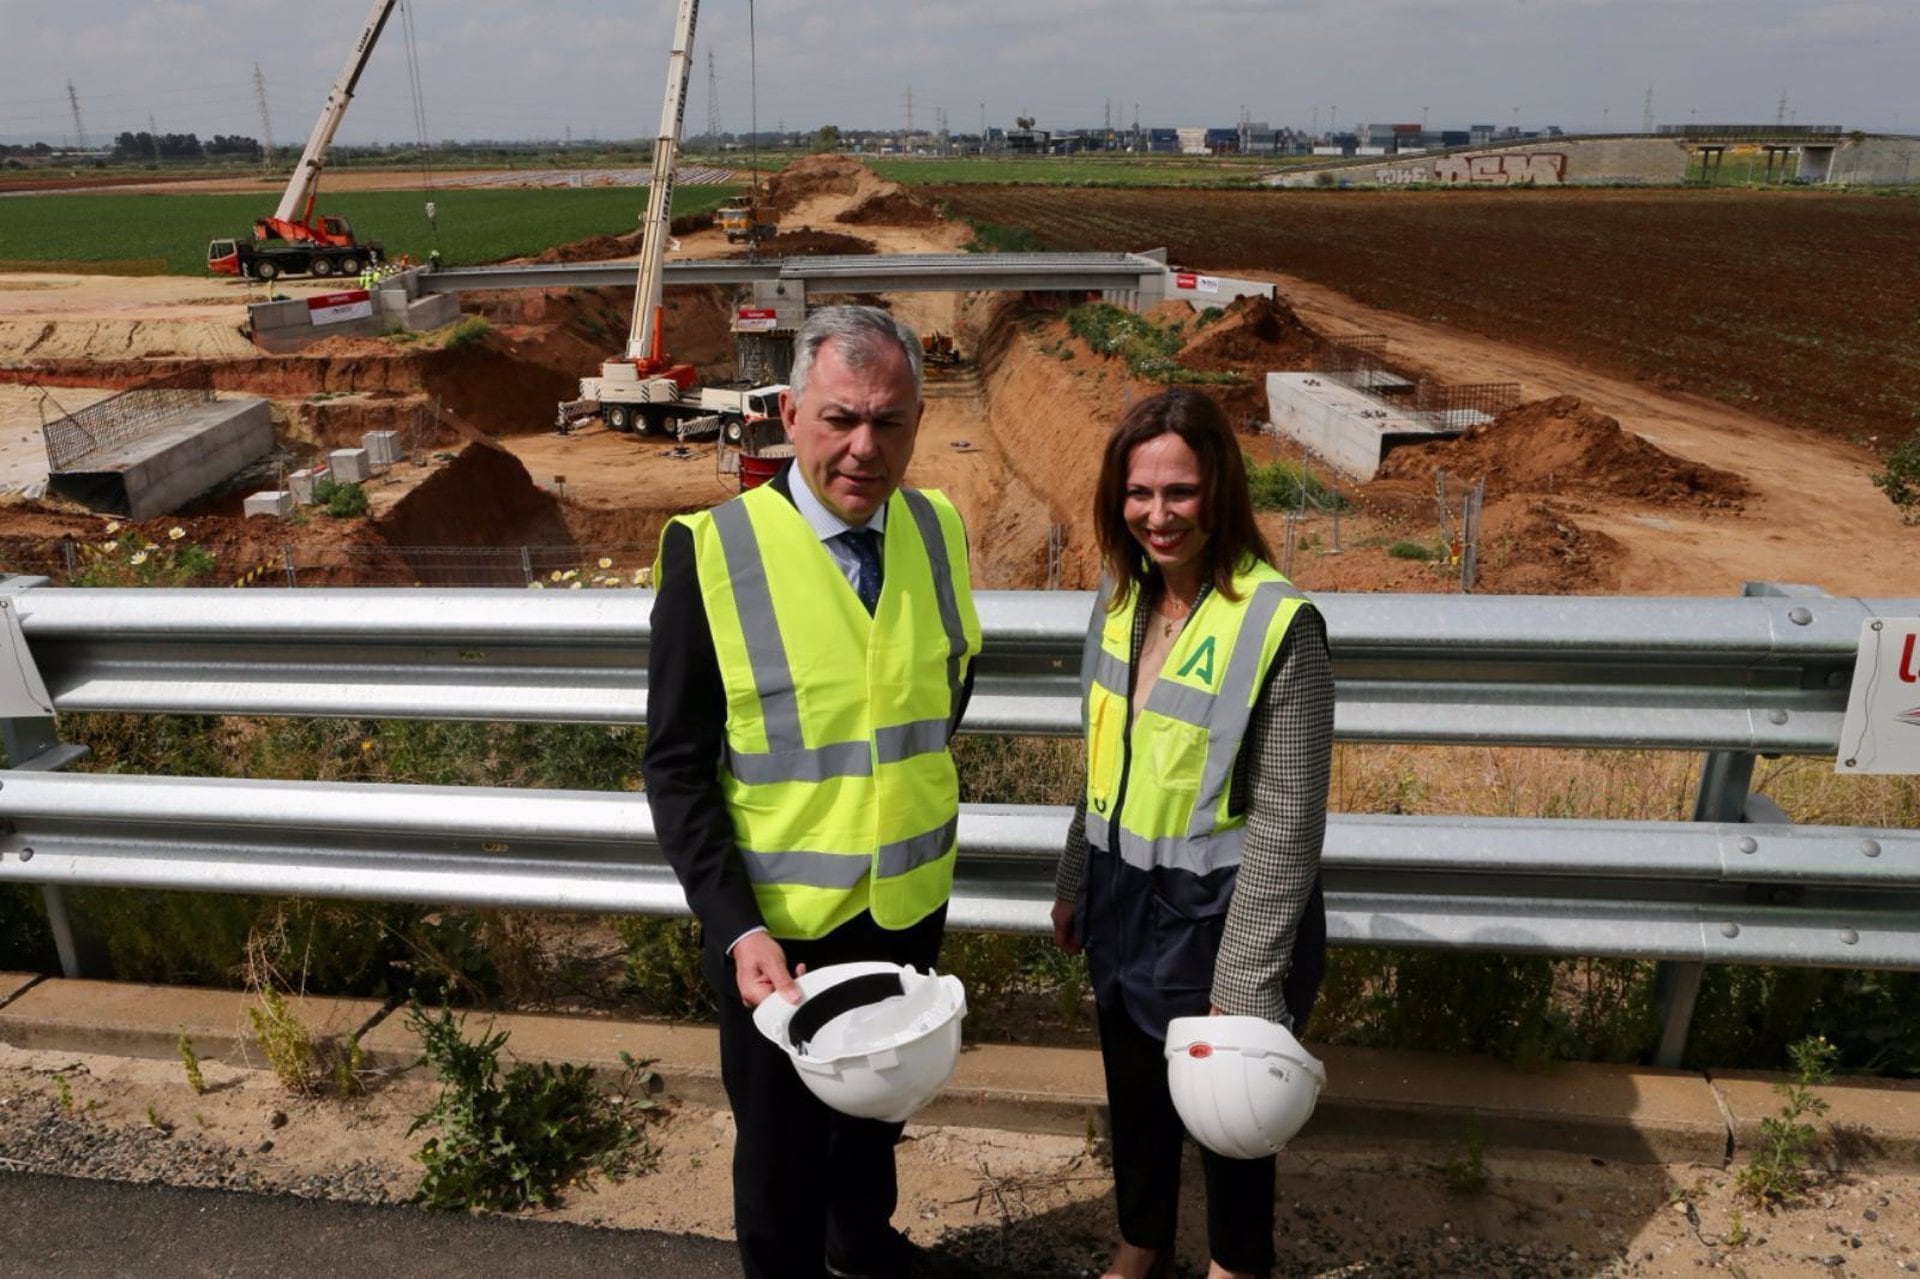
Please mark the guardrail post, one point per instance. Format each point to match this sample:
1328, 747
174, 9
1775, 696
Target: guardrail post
30, 737
1722, 797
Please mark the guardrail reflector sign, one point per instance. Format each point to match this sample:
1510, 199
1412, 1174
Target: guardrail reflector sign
1882, 729
333, 308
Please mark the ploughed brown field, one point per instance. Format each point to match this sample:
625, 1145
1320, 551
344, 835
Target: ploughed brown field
1801, 306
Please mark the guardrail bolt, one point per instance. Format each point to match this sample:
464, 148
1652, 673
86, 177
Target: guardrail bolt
1748, 844
26, 854
1776, 716
1729, 930
1848, 937
1800, 617
1870, 847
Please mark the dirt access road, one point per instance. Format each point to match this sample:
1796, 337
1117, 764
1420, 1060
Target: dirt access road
1814, 516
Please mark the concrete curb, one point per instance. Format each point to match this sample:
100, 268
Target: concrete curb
1374, 1097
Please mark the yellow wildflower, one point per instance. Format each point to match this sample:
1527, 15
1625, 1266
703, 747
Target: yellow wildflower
575, 585
554, 576
175, 533
139, 557
605, 562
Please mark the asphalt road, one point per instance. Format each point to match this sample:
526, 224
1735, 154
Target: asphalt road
70, 1227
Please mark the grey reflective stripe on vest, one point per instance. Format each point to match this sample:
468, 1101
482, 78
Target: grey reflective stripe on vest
912, 853
1096, 667
766, 651
846, 870
841, 759
899, 742
941, 564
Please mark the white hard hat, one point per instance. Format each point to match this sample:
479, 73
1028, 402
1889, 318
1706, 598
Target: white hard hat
873, 1040
1243, 1085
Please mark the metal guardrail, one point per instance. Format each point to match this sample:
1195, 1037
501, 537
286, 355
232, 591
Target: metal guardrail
1735, 678
1760, 675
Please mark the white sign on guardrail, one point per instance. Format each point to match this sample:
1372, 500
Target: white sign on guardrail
1881, 733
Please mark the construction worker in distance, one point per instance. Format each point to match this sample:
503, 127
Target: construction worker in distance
811, 655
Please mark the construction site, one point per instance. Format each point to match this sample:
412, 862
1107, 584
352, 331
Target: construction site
1591, 483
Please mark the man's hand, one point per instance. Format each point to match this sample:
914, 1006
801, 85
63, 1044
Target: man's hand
760, 969
1064, 934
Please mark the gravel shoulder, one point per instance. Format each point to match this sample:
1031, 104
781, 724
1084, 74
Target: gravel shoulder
995, 1202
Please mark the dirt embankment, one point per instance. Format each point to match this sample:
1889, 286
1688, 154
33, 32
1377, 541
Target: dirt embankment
484, 497
1564, 446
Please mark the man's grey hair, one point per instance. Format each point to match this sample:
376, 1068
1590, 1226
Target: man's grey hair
861, 331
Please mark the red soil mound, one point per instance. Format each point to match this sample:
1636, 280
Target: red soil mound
807, 242
1562, 446
812, 176
1257, 335
484, 497
890, 208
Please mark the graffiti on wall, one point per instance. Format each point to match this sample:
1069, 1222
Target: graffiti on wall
1409, 175
1504, 169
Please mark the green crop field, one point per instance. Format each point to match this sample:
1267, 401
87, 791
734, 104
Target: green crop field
474, 226
1083, 170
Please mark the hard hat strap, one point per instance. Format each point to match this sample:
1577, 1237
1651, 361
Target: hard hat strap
848, 995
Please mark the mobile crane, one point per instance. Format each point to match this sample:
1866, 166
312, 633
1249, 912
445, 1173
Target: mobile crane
643, 389
293, 241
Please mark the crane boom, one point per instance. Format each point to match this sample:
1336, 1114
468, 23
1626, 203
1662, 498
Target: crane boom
296, 206
643, 338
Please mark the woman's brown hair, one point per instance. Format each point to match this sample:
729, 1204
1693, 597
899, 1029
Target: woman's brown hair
1226, 508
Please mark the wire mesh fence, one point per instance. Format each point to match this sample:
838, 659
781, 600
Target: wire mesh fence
126, 417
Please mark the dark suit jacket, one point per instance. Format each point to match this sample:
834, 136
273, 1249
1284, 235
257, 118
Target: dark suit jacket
686, 736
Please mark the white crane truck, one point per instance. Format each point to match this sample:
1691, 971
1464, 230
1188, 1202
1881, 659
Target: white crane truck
642, 389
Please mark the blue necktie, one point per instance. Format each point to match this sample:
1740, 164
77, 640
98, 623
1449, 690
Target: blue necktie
866, 553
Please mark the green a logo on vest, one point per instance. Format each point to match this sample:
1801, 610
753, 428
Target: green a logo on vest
1203, 659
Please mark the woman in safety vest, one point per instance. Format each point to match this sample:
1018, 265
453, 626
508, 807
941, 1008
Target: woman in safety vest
1191, 875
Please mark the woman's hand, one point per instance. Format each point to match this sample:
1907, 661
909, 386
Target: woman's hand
1065, 935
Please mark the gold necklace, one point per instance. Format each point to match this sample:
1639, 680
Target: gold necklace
1169, 624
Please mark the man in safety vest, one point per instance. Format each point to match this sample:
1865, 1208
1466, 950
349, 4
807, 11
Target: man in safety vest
811, 654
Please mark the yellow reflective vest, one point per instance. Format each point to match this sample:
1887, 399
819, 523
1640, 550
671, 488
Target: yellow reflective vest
836, 771
1158, 788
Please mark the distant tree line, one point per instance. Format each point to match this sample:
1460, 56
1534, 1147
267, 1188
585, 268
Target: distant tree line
183, 146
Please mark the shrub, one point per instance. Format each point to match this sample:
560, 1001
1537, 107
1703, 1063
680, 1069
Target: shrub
1901, 480
1778, 1170
1414, 551
341, 500
1280, 486
505, 1142
469, 330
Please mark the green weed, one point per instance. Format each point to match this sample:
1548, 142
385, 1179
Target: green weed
190, 1062
1901, 480
1465, 1174
343, 500
63, 1093
503, 1142
1778, 1170
1286, 486
467, 331
1424, 551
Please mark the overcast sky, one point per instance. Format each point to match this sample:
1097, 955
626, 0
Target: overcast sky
544, 68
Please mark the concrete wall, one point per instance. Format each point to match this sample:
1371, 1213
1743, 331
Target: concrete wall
161, 472
1537, 162
286, 326
1876, 161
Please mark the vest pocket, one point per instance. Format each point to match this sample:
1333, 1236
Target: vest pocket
1184, 948
1178, 756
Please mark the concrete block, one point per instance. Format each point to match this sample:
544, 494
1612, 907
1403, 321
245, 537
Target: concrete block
13, 984
432, 311
154, 475
1869, 1122
301, 483
383, 447
278, 503
349, 466
134, 1020
1347, 428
